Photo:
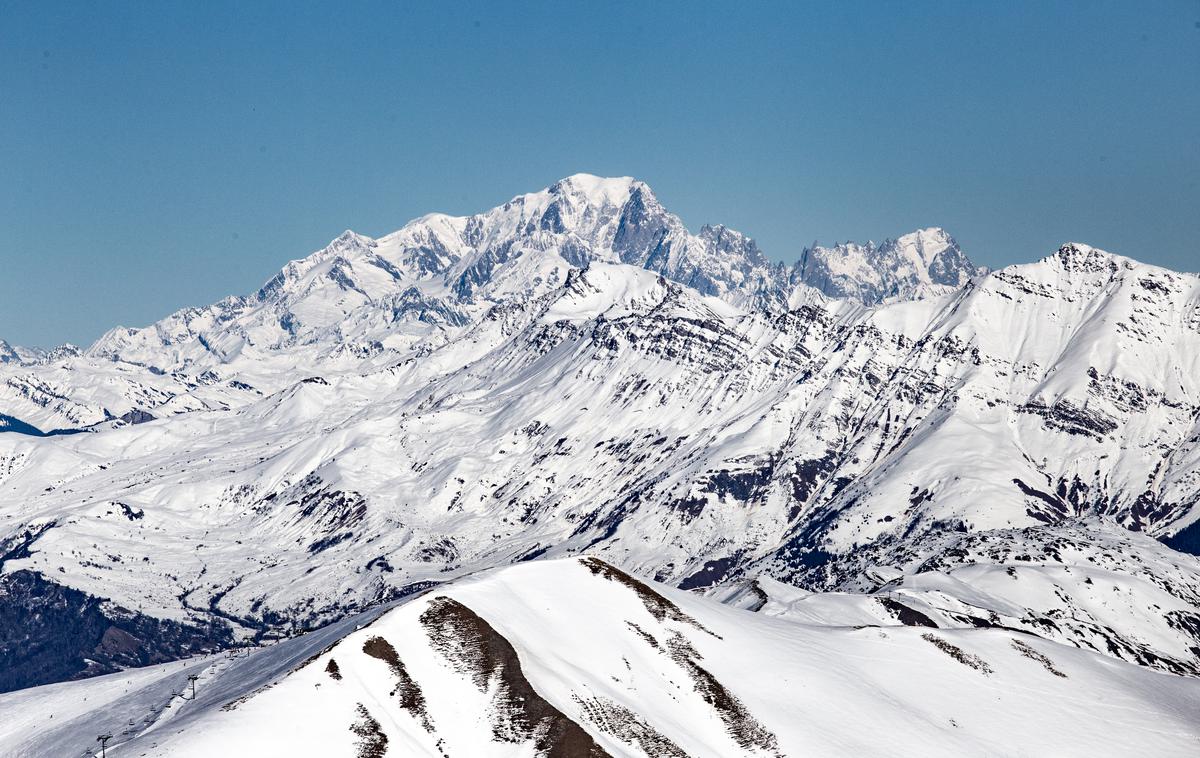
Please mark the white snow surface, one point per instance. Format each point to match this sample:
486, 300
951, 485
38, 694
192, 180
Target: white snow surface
641, 669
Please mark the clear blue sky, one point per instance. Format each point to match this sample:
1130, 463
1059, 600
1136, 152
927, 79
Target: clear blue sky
159, 155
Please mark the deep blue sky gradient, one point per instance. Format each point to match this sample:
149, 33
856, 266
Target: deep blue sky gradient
159, 155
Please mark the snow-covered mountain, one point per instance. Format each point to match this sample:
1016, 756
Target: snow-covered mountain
577, 658
575, 373
1090, 584
10, 353
16, 354
362, 302
921, 264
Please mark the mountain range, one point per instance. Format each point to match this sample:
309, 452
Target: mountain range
845, 454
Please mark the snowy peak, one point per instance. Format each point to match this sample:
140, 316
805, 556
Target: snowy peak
598, 191
915, 265
581, 206
934, 257
16, 354
924, 246
1076, 253
1077, 271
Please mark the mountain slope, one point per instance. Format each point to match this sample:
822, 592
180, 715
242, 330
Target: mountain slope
1090, 584
16, 354
578, 658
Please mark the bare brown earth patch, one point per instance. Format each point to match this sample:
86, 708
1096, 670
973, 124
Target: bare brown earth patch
519, 714
658, 606
408, 691
1026, 650
649, 638
372, 742
613, 718
957, 653
331, 668
739, 722
904, 614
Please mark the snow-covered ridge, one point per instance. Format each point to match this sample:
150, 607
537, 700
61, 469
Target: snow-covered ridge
16, 354
577, 658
